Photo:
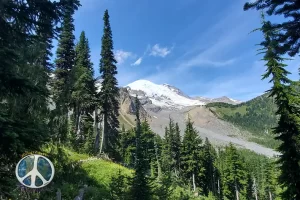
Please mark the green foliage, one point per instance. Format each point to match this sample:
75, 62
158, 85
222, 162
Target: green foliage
140, 185
234, 178
191, 155
287, 30
257, 116
119, 187
287, 100
109, 94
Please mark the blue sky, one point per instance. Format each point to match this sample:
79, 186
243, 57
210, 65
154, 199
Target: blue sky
202, 47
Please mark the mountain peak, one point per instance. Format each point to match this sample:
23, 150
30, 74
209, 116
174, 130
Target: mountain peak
163, 95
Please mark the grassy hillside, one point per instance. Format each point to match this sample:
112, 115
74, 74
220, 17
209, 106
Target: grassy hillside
74, 171
257, 116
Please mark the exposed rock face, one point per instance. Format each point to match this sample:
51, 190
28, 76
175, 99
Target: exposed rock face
127, 104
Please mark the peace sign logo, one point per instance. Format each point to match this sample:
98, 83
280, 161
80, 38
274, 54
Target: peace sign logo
35, 171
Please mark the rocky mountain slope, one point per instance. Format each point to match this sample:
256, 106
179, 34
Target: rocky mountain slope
160, 102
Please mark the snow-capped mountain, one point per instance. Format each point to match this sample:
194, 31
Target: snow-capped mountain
164, 96
167, 96
223, 99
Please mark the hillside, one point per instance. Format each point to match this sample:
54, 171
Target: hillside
75, 171
256, 116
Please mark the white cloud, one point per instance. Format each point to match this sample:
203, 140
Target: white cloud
121, 56
160, 51
137, 62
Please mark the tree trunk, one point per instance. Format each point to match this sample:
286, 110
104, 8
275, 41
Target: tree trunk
255, 190
157, 160
103, 141
58, 194
80, 196
194, 184
237, 192
78, 125
96, 125
219, 191
270, 195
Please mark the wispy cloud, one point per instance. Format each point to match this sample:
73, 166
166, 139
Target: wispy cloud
156, 50
137, 62
121, 56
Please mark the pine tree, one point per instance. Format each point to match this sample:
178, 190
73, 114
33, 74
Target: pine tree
249, 187
166, 152
140, 188
109, 94
288, 37
83, 92
192, 168
209, 157
234, 174
176, 149
128, 146
62, 83
119, 189
270, 180
147, 144
287, 100
23, 77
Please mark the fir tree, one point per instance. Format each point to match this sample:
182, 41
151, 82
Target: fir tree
62, 83
192, 168
147, 144
287, 100
166, 152
24, 53
209, 157
140, 188
234, 174
288, 37
119, 189
249, 187
176, 149
109, 94
83, 92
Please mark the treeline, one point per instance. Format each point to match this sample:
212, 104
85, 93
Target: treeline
175, 167
259, 116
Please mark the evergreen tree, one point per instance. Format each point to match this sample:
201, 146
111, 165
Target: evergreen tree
147, 145
192, 167
176, 149
234, 174
83, 92
119, 189
249, 187
25, 40
288, 37
127, 146
209, 157
62, 83
140, 188
109, 94
166, 152
270, 180
287, 100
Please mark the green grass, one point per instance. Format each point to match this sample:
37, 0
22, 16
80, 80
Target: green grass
102, 171
74, 171
256, 116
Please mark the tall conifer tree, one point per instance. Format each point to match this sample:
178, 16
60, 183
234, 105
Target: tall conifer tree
109, 94
288, 101
140, 183
63, 80
83, 93
191, 155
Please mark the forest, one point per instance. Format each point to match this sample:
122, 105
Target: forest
54, 108
257, 116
